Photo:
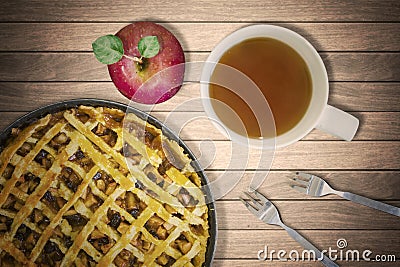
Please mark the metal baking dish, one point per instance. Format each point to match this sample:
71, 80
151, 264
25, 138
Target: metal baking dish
43, 111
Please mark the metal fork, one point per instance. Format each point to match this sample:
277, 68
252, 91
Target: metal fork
315, 186
267, 212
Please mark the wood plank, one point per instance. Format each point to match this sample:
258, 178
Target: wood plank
339, 155
79, 36
379, 185
364, 66
85, 67
236, 244
349, 96
365, 96
195, 126
317, 215
207, 10
373, 126
321, 155
23, 96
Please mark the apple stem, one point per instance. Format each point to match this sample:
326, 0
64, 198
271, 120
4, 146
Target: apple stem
136, 59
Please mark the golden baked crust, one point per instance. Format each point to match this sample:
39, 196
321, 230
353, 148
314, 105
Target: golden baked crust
67, 197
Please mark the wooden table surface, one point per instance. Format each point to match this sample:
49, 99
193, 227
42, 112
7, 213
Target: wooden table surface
45, 57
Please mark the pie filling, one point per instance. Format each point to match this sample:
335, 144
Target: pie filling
90, 186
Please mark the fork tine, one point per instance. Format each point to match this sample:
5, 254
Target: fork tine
299, 188
261, 196
249, 207
255, 202
304, 175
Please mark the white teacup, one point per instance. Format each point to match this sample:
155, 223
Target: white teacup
319, 114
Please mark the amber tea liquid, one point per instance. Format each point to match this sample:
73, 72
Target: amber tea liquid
280, 73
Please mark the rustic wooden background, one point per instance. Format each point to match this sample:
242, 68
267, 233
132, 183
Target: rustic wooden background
45, 57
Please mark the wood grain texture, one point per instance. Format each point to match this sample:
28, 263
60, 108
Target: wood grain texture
205, 10
85, 67
195, 126
380, 185
79, 36
315, 215
328, 155
349, 96
232, 243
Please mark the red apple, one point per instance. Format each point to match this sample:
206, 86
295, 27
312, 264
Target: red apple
129, 75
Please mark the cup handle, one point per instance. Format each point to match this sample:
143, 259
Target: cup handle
338, 123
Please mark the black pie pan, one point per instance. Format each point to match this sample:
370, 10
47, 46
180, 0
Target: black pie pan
33, 116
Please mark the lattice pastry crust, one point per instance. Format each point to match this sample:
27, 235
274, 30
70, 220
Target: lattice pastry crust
68, 199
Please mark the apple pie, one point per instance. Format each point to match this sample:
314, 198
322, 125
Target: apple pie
95, 186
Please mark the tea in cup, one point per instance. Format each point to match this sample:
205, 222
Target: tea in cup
287, 72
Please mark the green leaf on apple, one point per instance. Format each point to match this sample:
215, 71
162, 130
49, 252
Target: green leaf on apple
108, 49
149, 46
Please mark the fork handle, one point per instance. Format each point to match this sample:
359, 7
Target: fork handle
308, 246
371, 203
